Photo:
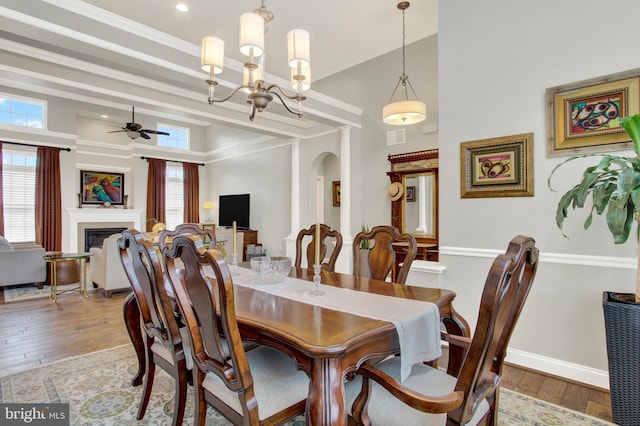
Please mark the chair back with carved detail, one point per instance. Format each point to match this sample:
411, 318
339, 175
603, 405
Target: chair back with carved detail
186, 229
468, 393
379, 260
225, 375
325, 233
163, 338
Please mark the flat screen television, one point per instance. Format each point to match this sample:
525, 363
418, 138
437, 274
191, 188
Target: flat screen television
234, 207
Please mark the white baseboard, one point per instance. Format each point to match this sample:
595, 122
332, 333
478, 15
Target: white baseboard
575, 372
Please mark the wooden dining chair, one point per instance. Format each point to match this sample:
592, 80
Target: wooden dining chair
325, 232
378, 261
186, 229
258, 387
163, 337
467, 393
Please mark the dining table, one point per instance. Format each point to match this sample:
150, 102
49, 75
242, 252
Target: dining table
326, 342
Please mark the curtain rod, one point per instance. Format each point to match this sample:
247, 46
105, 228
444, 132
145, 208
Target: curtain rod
173, 161
35, 146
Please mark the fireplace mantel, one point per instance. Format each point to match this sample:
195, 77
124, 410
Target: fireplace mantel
73, 217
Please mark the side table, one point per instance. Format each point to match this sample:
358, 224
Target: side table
59, 257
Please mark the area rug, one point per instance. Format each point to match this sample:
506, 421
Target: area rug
25, 292
98, 389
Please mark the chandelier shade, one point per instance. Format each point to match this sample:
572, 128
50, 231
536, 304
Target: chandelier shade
301, 79
298, 48
258, 93
404, 111
212, 59
251, 34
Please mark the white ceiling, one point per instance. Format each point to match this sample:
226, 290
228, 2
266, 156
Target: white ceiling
343, 32
115, 53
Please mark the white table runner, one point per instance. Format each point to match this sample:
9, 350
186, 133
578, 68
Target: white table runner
417, 322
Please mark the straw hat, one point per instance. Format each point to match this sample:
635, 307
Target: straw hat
395, 191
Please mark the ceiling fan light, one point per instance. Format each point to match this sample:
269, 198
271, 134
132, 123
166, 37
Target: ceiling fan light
299, 53
404, 112
212, 56
251, 34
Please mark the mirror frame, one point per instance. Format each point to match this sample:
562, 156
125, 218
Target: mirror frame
412, 163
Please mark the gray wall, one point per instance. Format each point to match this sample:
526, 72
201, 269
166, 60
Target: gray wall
369, 86
496, 60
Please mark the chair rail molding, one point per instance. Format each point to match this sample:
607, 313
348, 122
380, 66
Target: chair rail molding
562, 258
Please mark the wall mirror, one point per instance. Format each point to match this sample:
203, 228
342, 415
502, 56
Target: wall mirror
416, 212
419, 204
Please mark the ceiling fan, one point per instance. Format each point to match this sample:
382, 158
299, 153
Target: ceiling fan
133, 129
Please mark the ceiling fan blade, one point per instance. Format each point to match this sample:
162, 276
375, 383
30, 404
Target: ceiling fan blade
154, 132
116, 131
144, 135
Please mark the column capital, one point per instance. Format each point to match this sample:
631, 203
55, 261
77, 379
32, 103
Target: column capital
344, 129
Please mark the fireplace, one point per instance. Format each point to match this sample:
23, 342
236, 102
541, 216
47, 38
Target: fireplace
94, 237
75, 221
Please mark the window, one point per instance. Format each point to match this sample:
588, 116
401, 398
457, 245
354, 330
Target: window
19, 186
22, 112
178, 137
174, 194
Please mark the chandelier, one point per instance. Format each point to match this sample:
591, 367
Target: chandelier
405, 110
259, 93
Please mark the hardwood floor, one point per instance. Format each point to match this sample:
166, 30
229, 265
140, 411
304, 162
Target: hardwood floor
37, 331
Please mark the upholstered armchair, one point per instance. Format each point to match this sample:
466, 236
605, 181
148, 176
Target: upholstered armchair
106, 268
21, 263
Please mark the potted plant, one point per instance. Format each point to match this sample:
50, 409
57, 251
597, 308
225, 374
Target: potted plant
612, 187
365, 246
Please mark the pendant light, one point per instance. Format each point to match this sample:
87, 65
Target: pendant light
404, 111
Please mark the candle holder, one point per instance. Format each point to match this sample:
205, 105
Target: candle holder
234, 262
316, 281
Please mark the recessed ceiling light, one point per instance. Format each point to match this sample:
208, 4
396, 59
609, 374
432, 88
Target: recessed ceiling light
104, 116
182, 7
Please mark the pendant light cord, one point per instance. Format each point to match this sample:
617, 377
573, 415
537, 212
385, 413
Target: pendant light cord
403, 40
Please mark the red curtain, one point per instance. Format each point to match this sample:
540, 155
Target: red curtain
191, 193
1, 194
48, 199
156, 192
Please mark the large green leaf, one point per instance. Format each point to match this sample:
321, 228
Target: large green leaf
620, 220
632, 127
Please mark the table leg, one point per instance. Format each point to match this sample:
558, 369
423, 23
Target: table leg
83, 277
456, 325
325, 404
54, 281
131, 313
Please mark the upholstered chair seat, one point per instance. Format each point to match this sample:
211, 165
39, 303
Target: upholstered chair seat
276, 382
167, 353
389, 410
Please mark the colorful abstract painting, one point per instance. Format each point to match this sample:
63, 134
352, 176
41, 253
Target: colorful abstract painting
101, 187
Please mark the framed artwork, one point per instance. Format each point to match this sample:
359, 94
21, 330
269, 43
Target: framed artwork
336, 193
583, 117
497, 167
411, 194
103, 188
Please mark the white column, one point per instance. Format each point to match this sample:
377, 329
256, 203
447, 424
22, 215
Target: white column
295, 198
345, 260
422, 205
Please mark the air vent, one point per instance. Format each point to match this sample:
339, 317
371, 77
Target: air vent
395, 137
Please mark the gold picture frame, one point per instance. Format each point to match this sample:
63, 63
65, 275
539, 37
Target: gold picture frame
497, 167
583, 117
335, 185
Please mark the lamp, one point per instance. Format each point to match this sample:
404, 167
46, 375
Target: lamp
208, 206
259, 94
404, 111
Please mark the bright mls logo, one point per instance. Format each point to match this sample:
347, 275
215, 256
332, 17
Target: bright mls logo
34, 414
